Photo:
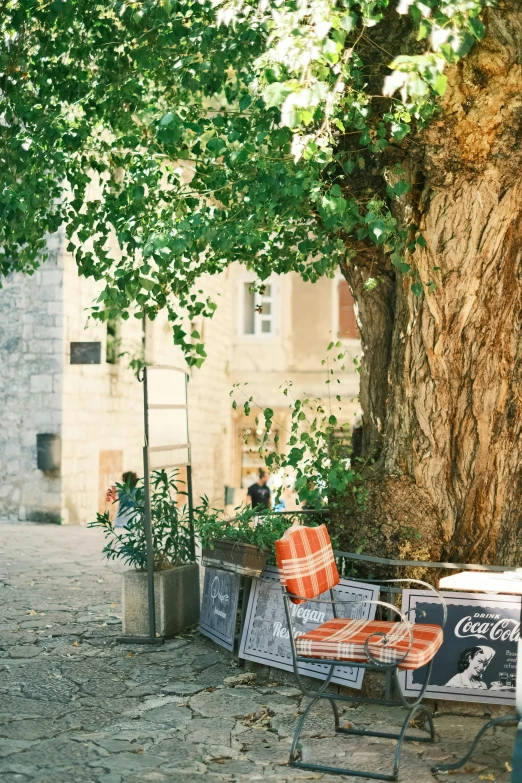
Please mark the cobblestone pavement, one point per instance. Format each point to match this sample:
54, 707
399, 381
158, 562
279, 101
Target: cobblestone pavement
76, 706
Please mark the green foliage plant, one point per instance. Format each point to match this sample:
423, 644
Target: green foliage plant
246, 526
170, 524
317, 453
174, 137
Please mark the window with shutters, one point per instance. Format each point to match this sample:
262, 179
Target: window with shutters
258, 316
347, 328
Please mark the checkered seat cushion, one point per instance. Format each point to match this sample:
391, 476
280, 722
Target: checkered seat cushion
306, 562
343, 640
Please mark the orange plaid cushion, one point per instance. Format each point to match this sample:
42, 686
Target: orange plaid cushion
306, 562
343, 640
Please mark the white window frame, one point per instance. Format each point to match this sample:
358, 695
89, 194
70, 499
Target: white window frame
259, 318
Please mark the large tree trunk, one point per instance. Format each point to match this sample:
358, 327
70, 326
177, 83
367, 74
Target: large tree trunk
441, 386
375, 317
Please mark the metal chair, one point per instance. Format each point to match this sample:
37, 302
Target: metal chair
307, 570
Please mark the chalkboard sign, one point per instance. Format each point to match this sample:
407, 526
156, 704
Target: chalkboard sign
266, 638
478, 657
86, 353
219, 606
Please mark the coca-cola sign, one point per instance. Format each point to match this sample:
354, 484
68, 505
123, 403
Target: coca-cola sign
478, 658
488, 626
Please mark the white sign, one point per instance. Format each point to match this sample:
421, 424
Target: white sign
266, 637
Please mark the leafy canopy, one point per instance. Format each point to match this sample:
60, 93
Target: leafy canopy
173, 137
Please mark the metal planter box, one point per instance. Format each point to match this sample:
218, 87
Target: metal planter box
245, 559
176, 593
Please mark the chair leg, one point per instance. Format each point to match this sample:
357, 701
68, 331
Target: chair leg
403, 736
464, 760
400, 737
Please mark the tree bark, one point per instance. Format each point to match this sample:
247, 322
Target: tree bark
441, 377
375, 318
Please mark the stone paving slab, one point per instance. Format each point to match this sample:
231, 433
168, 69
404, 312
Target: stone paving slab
77, 707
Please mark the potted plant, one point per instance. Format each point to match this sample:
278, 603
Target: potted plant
176, 575
243, 543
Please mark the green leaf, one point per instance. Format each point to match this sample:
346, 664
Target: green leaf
424, 30
167, 118
216, 144
371, 284
148, 285
417, 289
348, 22
275, 94
478, 28
401, 188
440, 84
399, 130
465, 45
378, 231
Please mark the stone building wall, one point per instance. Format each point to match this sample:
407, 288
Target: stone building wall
210, 412
102, 425
97, 409
306, 321
31, 365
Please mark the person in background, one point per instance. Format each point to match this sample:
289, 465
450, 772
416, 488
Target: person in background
279, 504
275, 484
259, 493
124, 511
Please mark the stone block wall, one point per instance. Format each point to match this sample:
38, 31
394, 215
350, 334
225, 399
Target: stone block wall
31, 365
98, 409
210, 407
102, 425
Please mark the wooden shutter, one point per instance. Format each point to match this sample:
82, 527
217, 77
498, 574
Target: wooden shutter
347, 323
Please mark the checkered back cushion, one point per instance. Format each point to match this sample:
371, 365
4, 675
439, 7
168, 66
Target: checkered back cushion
306, 562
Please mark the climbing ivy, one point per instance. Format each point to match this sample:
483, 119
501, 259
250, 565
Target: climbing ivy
316, 460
